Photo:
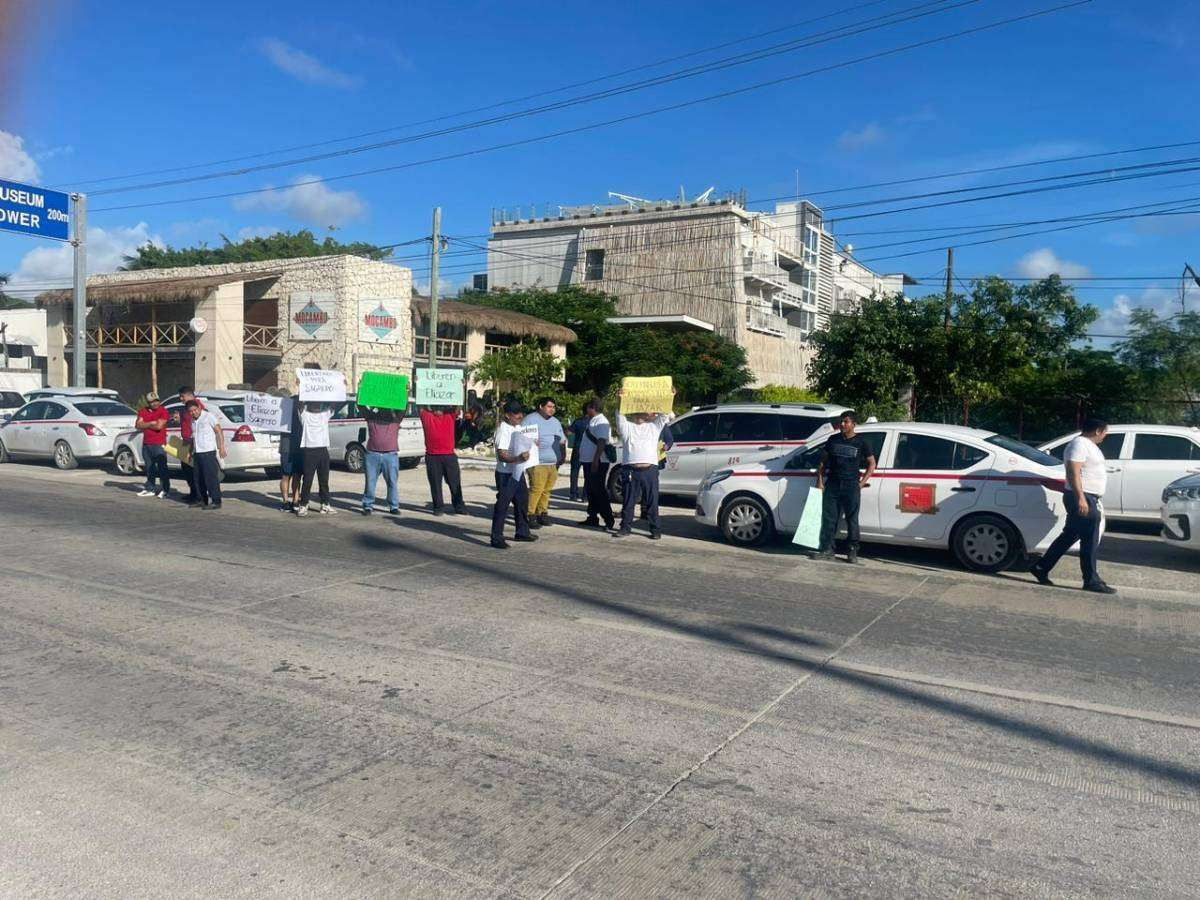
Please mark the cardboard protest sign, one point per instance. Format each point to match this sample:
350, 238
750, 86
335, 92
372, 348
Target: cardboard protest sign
178, 448
439, 387
384, 390
321, 385
808, 532
269, 413
647, 395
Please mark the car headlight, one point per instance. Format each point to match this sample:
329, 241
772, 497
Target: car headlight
714, 478
1181, 493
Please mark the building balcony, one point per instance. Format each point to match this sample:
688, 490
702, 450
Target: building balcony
265, 338
766, 322
136, 336
765, 273
448, 350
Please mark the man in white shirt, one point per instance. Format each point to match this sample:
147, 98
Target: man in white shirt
207, 441
639, 436
1087, 478
595, 462
513, 449
314, 444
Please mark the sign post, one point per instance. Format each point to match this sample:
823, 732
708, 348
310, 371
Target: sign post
80, 301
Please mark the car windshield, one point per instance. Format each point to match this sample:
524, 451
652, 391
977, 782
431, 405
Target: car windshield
234, 412
9, 399
1032, 454
104, 408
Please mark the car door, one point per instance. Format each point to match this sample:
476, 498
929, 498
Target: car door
1114, 449
800, 473
687, 460
55, 426
745, 437
17, 433
932, 481
1155, 460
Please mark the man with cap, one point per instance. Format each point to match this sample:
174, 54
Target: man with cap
152, 422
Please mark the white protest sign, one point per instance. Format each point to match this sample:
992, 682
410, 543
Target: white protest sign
439, 387
524, 440
269, 413
321, 385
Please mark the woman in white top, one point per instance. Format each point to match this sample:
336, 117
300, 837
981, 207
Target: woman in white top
314, 445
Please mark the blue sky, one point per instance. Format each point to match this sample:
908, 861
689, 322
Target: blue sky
97, 90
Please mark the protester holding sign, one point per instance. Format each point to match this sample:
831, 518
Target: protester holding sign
383, 457
319, 385
513, 451
551, 449
186, 395
291, 460
840, 475
640, 434
596, 456
441, 462
314, 441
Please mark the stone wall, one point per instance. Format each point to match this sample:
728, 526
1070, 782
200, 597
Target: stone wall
775, 360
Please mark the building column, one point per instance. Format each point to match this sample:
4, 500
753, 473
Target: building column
57, 373
475, 344
220, 349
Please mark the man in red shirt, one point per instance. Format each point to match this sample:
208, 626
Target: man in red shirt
152, 423
441, 462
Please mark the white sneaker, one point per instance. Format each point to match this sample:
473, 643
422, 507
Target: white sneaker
327, 510
145, 493
163, 495
302, 511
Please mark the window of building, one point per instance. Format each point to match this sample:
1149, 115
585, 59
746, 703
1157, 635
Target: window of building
812, 246
923, 451
479, 282
748, 428
808, 285
1164, 446
594, 265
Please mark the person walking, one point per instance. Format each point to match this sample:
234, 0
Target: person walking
551, 449
441, 461
594, 453
383, 456
209, 443
578, 428
152, 422
640, 435
186, 393
1087, 480
513, 449
314, 443
847, 464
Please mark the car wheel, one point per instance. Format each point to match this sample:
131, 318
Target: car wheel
124, 462
746, 521
355, 457
985, 543
616, 485
64, 456
410, 462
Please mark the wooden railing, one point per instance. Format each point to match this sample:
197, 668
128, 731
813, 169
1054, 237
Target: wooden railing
447, 349
140, 334
262, 337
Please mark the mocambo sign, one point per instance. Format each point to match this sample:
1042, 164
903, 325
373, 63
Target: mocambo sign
33, 210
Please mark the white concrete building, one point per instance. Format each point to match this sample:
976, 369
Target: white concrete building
763, 280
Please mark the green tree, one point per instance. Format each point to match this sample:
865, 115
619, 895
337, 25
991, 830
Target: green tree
1165, 357
524, 370
8, 301
282, 245
703, 366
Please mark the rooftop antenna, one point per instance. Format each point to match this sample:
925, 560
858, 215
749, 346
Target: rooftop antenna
631, 200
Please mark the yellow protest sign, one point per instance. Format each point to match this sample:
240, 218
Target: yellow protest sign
647, 395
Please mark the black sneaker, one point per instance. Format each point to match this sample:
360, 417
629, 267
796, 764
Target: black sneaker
525, 538
365, 511
544, 520
656, 535
822, 555
213, 506
590, 523
460, 510
438, 512
534, 522
499, 545
622, 533
852, 556
1041, 575
1099, 587
395, 511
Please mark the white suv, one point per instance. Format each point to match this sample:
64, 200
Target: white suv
1142, 460
1181, 513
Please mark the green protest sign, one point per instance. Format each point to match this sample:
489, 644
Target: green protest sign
439, 387
383, 390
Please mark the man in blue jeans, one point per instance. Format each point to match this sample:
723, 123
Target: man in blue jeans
383, 457
152, 421
1087, 480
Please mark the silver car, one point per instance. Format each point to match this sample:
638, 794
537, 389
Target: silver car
247, 447
10, 402
65, 426
348, 437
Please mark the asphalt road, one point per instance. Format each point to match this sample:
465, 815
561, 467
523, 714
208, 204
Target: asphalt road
245, 704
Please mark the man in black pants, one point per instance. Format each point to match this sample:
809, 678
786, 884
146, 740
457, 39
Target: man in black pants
512, 452
578, 427
840, 479
209, 442
1087, 480
314, 422
593, 455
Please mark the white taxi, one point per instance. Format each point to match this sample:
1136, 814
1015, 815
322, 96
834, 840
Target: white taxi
988, 498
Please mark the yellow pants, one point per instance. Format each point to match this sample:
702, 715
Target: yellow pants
541, 483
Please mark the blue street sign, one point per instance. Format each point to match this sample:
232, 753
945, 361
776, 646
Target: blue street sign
35, 210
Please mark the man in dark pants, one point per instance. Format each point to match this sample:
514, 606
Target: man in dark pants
840, 478
152, 420
595, 466
209, 442
639, 436
1087, 480
441, 461
512, 453
578, 428
186, 393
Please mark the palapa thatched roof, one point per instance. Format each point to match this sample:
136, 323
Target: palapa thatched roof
151, 290
490, 318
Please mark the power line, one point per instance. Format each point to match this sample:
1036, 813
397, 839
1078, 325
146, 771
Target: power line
882, 54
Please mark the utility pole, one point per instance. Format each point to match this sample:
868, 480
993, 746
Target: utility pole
949, 286
4, 341
1187, 270
80, 299
433, 285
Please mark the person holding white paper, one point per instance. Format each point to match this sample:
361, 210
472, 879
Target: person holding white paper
513, 451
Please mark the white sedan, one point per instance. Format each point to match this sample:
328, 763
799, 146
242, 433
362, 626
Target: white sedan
989, 498
65, 427
1181, 512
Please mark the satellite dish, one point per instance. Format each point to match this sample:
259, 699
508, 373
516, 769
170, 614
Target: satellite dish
198, 325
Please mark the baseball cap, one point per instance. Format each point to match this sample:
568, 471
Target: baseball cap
152, 397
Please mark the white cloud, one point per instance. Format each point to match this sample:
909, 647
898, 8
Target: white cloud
106, 251
869, 134
1044, 262
1168, 226
1164, 301
304, 67
308, 200
15, 162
